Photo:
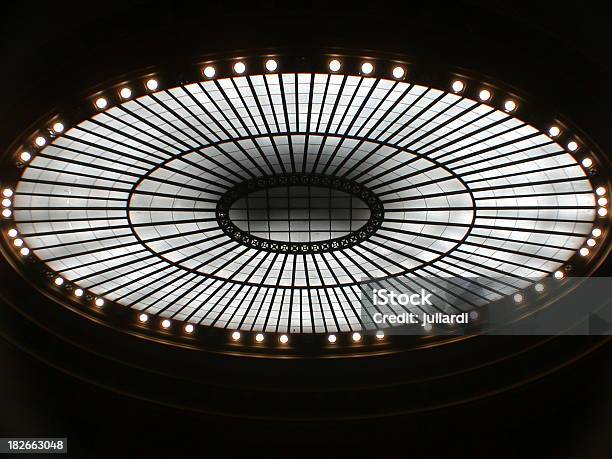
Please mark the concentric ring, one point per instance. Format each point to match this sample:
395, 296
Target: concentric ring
124, 204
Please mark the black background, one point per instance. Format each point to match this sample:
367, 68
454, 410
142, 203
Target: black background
52, 52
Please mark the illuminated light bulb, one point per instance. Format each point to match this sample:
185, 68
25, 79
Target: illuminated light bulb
101, 103
25, 156
99, 302
18, 242
6, 202
7, 213
484, 94
356, 337
600, 191
143, 317
554, 131
596, 232
587, 162
59, 281
78, 292
58, 127
584, 251
559, 275
259, 337
518, 298
427, 327
602, 211
572, 146
591, 242
510, 105
188, 328
25, 251
458, 85
284, 339
152, 84
239, 67
399, 72
367, 68
13, 232
335, 65
209, 71
539, 287
166, 323
380, 334
331, 338
125, 93
40, 141
236, 336
602, 201
7, 192
271, 65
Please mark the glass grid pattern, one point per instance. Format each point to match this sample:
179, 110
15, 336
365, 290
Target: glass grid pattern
123, 204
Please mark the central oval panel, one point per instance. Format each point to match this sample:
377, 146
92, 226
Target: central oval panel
299, 213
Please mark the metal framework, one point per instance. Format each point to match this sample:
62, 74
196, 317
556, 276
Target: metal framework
157, 202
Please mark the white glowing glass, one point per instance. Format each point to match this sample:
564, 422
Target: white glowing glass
399, 72
367, 68
209, 71
152, 84
271, 65
125, 93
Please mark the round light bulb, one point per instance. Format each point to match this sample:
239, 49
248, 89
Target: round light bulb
125, 93
6, 213
602, 211
484, 94
6, 202
239, 68
510, 105
399, 72
602, 201
596, 232
591, 242
331, 338
259, 337
7, 192
99, 302
25, 156
58, 127
559, 275
40, 141
284, 339
367, 68
380, 334
188, 328
101, 103
165, 323
18, 242
600, 191
236, 336
335, 65
572, 146
25, 251
554, 131
518, 298
584, 251
587, 162
539, 287
209, 71
78, 292
143, 317
152, 84
356, 337
58, 281
271, 65
458, 85
12, 232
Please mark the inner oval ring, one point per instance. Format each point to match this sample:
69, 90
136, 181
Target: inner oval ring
467, 191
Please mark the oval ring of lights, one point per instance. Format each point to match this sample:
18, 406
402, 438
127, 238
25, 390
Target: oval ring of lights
125, 205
